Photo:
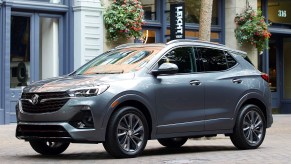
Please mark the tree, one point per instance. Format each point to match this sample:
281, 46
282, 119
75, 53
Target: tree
205, 20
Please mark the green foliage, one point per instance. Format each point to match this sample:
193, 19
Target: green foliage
252, 28
124, 19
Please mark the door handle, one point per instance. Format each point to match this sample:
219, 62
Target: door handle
237, 81
195, 82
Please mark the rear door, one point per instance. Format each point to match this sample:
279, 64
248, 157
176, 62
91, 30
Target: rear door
224, 86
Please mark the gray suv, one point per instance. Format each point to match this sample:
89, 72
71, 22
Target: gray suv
135, 93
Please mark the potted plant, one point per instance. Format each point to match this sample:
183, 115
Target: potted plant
124, 20
252, 29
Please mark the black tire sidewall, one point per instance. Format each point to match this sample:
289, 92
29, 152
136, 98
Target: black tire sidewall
172, 143
114, 147
42, 148
239, 126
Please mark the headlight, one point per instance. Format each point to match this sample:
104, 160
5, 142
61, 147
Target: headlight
88, 91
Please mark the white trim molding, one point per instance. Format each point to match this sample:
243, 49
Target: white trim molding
88, 30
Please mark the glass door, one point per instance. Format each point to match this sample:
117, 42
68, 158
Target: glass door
35, 46
287, 68
274, 50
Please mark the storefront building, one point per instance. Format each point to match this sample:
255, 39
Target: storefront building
277, 60
46, 38
42, 39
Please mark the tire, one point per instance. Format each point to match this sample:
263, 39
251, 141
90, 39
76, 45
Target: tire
173, 142
127, 133
49, 148
250, 128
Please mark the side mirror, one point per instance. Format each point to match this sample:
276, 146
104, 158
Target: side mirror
166, 68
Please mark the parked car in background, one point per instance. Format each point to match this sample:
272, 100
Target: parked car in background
135, 93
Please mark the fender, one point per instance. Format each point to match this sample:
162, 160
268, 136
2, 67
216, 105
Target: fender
130, 97
247, 96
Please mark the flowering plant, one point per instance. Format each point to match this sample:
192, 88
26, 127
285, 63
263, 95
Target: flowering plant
252, 28
124, 19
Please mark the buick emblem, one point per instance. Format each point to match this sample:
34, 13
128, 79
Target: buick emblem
34, 99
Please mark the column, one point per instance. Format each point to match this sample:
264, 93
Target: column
232, 7
88, 30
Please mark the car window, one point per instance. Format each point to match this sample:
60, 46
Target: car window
230, 60
212, 59
120, 61
182, 57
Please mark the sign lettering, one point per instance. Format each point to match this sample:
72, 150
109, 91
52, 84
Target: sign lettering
177, 21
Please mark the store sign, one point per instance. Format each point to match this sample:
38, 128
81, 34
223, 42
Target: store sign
177, 21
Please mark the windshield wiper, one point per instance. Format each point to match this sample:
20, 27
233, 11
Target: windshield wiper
112, 72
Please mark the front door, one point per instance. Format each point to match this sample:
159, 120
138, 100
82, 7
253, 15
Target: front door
180, 97
34, 51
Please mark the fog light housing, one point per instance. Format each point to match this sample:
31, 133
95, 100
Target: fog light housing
83, 119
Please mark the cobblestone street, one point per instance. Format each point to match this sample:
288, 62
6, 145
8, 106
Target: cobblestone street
275, 149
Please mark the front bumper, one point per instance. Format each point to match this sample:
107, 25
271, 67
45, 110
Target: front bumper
57, 132
66, 123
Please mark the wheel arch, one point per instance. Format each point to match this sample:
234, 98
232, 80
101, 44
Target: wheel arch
255, 99
134, 101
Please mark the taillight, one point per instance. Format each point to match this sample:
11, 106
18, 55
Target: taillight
265, 77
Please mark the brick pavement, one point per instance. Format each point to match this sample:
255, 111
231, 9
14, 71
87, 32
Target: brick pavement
275, 149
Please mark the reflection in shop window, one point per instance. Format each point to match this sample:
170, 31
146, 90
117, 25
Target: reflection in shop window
49, 48
287, 67
149, 7
46, 1
149, 36
20, 51
191, 34
192, 10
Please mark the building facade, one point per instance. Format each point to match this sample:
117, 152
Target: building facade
46, 38
42, 39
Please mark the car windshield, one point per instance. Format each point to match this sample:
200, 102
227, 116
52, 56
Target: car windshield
120, 61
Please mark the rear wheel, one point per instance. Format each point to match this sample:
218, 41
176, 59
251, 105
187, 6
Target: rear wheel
127, 133
49, 148
173, 142
250, 128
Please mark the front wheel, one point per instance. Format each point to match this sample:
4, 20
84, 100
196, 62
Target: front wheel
127, 133
173, 142
250, 128
49, 148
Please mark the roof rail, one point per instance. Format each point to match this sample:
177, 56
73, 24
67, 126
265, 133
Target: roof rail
127, 44
193, 41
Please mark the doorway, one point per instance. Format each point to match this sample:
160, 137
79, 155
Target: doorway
35, 46
280, 71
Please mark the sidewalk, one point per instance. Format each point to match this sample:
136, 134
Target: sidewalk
275, 149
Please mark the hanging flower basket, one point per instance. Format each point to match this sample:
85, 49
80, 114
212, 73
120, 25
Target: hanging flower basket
124, 20
252, 29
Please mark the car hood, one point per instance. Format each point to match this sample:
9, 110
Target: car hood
65, 83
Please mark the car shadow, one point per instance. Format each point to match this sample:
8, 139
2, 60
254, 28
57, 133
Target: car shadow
147, 152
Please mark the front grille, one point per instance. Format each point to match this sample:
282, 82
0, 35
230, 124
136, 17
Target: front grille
45, 95
41, 131
54, 102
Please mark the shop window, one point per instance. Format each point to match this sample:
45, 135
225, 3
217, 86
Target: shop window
149, 36
192, 34
149, 7
49, 47
273, 66
279, 11
46, 1
259, 4
20, 52
192, 11
287, 67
